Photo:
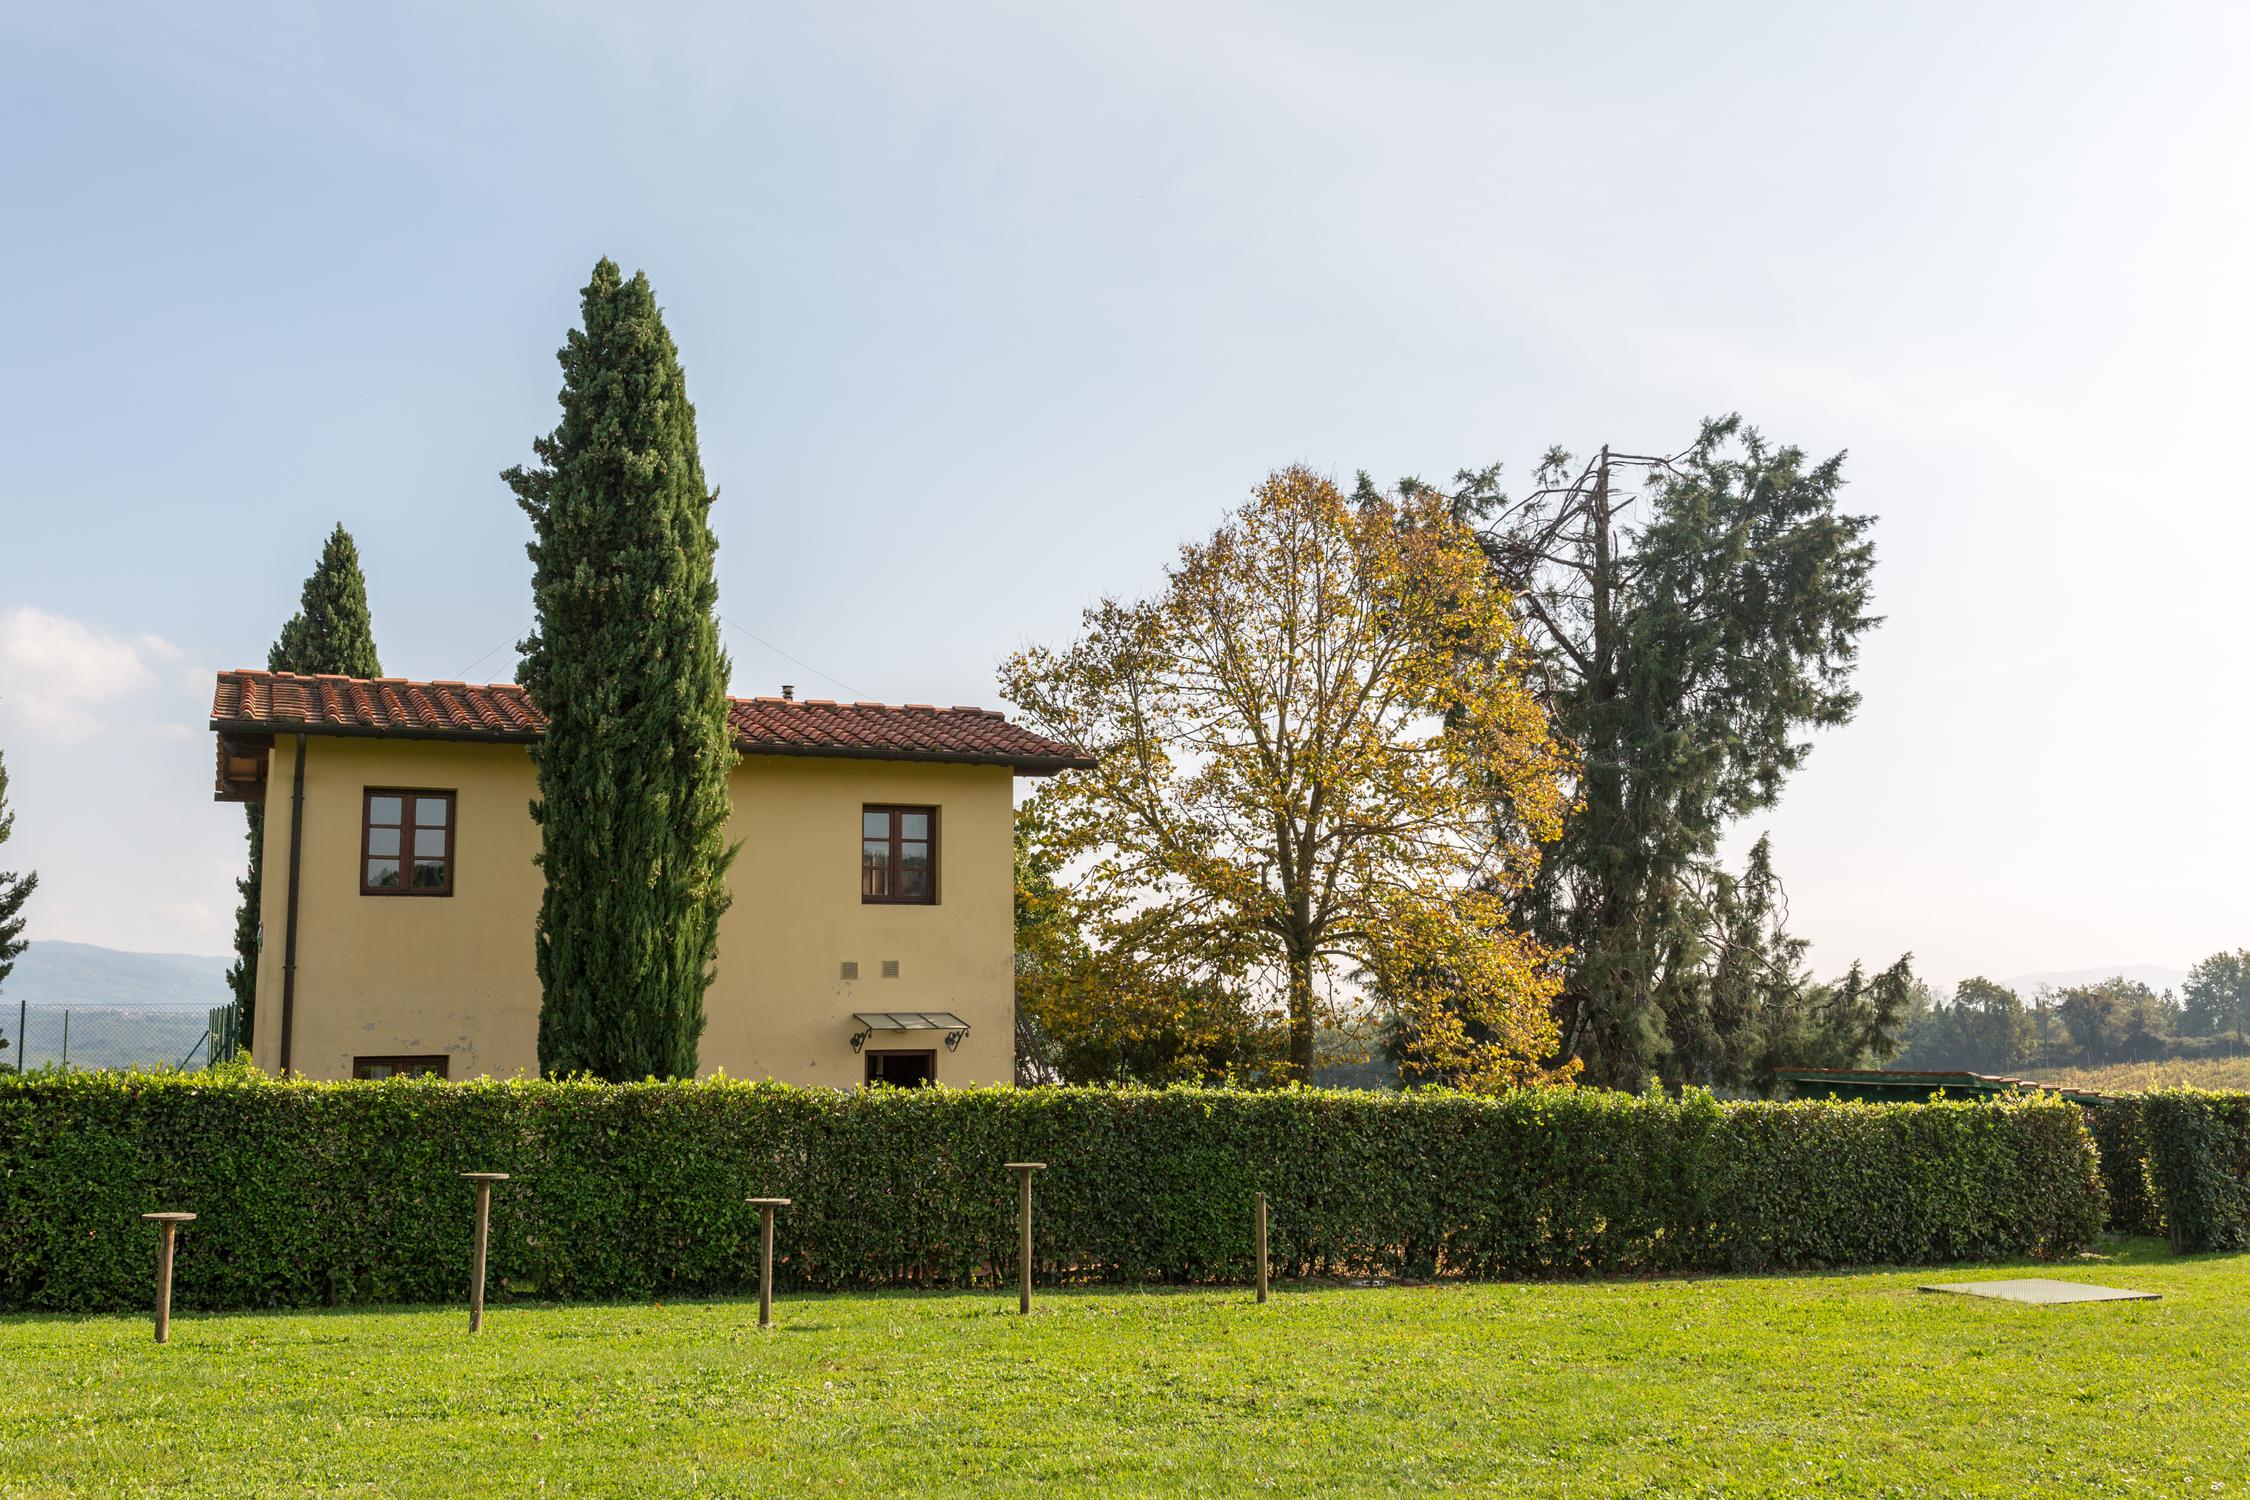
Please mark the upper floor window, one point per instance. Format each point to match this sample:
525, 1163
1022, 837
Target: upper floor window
898, 854
406, 843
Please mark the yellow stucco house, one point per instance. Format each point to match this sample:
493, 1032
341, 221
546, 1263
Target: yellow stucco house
871, 936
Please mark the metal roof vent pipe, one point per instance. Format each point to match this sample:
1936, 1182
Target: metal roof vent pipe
789, 692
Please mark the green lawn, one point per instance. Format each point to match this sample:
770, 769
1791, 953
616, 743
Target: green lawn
1844, 1384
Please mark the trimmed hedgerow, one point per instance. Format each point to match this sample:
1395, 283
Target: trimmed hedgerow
2191, 1151
315, 1193
2133, 1206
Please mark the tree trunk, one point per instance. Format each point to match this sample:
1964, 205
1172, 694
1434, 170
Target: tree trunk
1300, 1016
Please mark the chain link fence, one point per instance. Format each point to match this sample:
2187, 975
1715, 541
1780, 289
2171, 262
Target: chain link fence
35, 1036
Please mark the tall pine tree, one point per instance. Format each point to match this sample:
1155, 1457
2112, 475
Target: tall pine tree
333, 632
1696, 616
624, 661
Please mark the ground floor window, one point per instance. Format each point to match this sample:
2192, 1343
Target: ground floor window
901, 1069
399, 1067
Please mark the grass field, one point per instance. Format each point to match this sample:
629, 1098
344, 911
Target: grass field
2122, 1078
1838, 1385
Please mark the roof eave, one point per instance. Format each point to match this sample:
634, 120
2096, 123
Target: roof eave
1022, 765
377, 731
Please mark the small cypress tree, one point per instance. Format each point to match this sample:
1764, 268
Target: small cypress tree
15, 890
624, 661
332, 631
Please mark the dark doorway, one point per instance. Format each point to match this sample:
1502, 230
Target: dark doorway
902, 1069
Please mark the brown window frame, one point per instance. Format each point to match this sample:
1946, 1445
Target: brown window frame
406, 830
895, 809
410, 1067
874, 1052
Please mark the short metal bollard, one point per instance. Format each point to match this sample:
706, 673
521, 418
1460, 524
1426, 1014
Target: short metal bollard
1023, 1171
765, 1207
167, 1225
1261, 1239
484, 1182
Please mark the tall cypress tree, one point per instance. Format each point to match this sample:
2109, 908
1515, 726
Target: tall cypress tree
624, 661
331, 631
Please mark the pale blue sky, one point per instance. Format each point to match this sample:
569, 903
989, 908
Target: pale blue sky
986, 308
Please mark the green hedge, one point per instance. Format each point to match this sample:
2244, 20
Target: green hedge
2133, 1206
2186, 1153
314, 1193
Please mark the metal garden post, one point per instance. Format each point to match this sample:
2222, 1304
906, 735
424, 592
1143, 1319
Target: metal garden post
765, 1207
167, 1225
1261, 1239
1023, 1171
484, 1182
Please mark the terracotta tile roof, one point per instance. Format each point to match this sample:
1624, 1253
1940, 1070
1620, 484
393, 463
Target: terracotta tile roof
252, 702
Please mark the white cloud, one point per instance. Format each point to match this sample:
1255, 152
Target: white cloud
56, 673
188, 927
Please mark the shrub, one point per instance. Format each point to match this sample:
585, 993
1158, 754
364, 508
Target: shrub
314, 1193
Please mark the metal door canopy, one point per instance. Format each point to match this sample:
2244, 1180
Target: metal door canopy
872, 1021
910, 1020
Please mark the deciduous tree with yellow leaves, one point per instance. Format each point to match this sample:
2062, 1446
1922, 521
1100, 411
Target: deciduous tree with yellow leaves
1099, 1014
1320, 771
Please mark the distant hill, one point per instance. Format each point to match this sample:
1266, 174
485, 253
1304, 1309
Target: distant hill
57, 973
2156, 976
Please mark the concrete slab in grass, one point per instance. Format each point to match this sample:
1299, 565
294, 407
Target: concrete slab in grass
2041, 1291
